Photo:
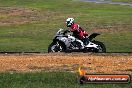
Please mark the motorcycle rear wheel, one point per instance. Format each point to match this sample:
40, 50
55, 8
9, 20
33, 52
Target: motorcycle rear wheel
101, 47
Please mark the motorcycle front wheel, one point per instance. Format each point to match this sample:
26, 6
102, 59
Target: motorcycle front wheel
55, 47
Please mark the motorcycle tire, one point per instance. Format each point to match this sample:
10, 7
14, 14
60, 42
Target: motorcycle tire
102, 48
52, 44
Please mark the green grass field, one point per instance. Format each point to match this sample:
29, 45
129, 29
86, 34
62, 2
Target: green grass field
49, 80
29, 25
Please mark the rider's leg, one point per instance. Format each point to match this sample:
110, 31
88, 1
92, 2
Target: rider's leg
85, 41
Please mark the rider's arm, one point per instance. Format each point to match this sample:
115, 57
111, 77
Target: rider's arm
74, 27
66, 31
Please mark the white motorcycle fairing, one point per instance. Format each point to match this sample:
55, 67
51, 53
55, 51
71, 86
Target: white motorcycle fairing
67, 40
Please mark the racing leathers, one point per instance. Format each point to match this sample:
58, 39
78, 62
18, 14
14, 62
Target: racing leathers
79, 33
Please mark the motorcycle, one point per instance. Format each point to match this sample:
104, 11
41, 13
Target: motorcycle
64, 41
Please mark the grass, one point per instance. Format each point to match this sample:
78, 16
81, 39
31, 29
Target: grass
49, 80
29, 25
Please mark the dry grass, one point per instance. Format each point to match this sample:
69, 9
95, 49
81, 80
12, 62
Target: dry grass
115, 64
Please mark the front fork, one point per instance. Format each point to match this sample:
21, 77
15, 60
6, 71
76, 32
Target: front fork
58, 46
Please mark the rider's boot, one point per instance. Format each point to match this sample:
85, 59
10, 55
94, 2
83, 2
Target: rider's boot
85, 41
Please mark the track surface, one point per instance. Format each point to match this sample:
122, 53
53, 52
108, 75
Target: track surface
107, 2
94, 63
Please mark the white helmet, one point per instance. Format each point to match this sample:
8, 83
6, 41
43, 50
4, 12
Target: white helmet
69, 21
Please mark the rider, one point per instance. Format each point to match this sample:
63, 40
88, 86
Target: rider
78, 32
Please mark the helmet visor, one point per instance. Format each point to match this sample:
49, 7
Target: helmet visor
68, 23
